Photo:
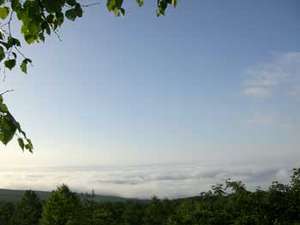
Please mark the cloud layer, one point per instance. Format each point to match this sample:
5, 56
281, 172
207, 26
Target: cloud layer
139, 181
280, 75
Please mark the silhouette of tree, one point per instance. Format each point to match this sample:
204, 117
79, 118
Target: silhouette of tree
63, 207
28, 210
6, 213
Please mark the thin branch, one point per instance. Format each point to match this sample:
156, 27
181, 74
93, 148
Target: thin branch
20, 52
9, 23
7, 91
4, 74
57, 34
90, 4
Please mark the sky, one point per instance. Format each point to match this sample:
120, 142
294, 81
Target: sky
136, 103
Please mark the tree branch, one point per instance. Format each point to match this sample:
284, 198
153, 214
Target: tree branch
7, 91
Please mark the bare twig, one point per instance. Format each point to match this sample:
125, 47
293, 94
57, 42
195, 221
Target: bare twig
20, 52
57, 34
90, 4
5, 92
9, 23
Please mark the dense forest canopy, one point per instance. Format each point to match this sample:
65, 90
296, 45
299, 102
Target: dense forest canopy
225, 204
39, 18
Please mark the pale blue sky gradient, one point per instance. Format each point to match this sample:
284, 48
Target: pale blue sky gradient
143, 90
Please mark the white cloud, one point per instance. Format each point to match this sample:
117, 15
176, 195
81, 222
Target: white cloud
280, 75
257, 91
140, 181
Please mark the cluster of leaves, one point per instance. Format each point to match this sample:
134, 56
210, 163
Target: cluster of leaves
39, 18
9, 127
225, 204
116, 6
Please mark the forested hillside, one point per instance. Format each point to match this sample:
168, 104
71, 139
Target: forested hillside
14, 196
229, 203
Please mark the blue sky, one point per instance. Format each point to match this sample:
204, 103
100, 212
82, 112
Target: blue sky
209, 82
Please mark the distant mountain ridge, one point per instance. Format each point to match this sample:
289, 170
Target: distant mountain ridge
9, 195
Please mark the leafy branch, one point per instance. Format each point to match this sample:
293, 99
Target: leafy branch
10, 127
39, 18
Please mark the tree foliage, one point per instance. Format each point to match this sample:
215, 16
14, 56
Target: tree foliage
228, 204
62, 208
9, 127
6, 212
39, 18
28, 210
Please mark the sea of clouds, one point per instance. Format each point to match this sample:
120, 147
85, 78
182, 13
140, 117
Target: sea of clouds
143, 181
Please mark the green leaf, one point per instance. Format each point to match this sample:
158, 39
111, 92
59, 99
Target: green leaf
16, 6
7, 129
4, 11
110, 4
10, 63
115, 6
11, 41
29, 38
41, 37
3, 108
21, 143
50, 18
59, 18
71, 2
71, 14
140, 2
2, 54
174, 3
28, 60
122, 10
23, 67
14, 55
53, 5
29, 145
78, 10
24, 64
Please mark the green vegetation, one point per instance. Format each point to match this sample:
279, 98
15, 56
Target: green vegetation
39, 18
225, 204
15, 196
28, 210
